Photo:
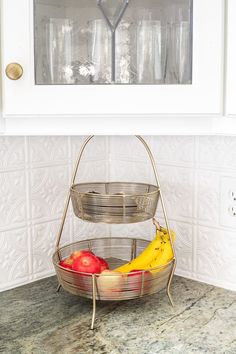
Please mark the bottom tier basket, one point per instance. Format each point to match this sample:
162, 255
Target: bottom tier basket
116, 251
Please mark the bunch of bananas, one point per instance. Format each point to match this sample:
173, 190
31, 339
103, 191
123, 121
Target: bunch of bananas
158, 253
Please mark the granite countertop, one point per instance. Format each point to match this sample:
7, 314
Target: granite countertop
36, 319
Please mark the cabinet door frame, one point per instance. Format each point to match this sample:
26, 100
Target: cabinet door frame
24, 99
231, 59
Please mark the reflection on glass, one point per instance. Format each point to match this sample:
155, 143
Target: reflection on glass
125, 70
183, 55
99, 51
59, 44
179, 54
152, 42
150, 52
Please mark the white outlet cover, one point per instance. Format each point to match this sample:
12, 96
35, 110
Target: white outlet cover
228, 202
232, 210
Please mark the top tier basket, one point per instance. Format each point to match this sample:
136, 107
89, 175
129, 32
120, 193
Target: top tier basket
114, 202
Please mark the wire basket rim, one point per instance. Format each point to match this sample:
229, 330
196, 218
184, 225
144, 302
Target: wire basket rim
99, 274
102, 195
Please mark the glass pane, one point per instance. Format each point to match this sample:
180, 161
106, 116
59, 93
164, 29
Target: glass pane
113, 42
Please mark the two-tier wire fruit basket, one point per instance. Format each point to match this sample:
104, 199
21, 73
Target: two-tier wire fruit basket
113, 203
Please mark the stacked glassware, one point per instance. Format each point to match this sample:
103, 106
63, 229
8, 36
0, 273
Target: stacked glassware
118, 42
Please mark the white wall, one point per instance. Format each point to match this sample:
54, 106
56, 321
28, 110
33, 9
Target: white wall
35, 176
190, 170
34, 179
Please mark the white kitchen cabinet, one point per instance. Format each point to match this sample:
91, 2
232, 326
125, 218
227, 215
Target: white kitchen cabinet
231, 59
56, 41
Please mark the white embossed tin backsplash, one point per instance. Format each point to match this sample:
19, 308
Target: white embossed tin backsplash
34, 180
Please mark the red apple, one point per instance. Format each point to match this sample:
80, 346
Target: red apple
77, 254
104, 264
87, 263
66, 263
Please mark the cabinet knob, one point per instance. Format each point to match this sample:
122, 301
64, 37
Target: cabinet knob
14, 71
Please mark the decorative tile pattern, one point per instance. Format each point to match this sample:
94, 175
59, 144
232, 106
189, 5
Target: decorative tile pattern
216, 257
145, 230
95, 149
129, 148
48, 150
75, 146
14, 254
34, 181
93, 171
189, 169
12, 199
12, 153
44, 240
130, 171
177, 150
208, 194
48, 190
83, 230
183, 246
35, 177
177, 184
217, 151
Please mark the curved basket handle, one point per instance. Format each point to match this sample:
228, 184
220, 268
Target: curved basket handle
137, 136
156, 178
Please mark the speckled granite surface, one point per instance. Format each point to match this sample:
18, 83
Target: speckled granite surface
36, 319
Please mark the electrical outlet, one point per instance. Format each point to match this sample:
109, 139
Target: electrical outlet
228, 202
232, 210
232, 195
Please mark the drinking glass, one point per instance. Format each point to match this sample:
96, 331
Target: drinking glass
179, 54
99, 51
125, 65
151, 52
60, 47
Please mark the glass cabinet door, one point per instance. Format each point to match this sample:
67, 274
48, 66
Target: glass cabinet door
89, 42
83, 61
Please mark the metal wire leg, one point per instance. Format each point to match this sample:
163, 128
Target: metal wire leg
169, 283
169, 296
58, 288
94, 302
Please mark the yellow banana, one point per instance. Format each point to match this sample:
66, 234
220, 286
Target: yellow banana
150, 252
165, 232
166, 255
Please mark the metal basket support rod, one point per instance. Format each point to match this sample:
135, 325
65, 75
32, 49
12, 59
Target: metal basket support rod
165, 215
160, 190
68, 196
94, 300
